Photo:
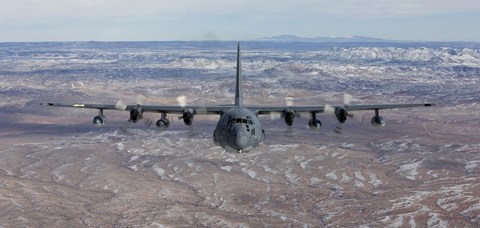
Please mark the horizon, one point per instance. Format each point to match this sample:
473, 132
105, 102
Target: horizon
188, 20
281, 38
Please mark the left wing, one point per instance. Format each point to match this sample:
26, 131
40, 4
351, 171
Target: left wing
341, 112
266, 110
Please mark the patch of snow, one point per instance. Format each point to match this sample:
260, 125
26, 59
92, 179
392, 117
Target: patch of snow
475, 207
432, 173
304, 164
345, 178
373, 180
410, 170
398, 222
315, 181
120, 146
359, 175
434, 220
411, 221
250, 172
292, 177
133, 167
133, 158
159, 171
283, 147
332, 176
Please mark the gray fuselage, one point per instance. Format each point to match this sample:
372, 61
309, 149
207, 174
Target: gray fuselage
238, 130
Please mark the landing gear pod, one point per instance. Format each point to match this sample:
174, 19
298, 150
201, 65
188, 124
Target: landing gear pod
100, 120
377, 120
314, 123
163, 123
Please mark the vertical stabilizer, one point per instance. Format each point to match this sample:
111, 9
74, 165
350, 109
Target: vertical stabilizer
238, 87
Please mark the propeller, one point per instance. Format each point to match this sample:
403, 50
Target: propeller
182, 101
141, 99
289, 102
347, 99
329, 109
121, 105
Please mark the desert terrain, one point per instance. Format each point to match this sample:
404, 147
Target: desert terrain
58, 170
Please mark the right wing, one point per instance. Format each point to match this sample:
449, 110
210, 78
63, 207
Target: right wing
175, 109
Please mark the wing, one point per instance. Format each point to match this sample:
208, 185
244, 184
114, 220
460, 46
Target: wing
266, 110
219, 109
385, 106
175, 109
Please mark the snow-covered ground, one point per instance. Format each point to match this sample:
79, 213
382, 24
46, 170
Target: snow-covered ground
422, 169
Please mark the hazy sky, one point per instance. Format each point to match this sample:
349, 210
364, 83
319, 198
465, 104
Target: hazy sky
125, 20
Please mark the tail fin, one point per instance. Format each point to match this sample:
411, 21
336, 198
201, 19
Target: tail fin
238, 87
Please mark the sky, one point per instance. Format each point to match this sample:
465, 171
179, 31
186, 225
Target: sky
151, 20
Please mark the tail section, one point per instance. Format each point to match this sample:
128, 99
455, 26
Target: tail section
238, 87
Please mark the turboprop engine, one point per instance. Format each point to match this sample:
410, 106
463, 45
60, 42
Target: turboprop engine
341, 114
289, 116
187, 117
136, 114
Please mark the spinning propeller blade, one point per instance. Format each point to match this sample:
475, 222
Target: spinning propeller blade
182, 101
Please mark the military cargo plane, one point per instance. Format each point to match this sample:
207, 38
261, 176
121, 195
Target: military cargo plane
238, 129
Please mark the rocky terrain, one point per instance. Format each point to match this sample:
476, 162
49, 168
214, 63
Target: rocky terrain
58, 170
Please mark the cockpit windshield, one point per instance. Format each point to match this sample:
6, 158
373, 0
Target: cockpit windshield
241, 121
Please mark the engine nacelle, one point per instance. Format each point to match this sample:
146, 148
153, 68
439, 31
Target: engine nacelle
163, 123
136, 115
289, 116
378, 121
187, 117
341, 114
315, 124
100, 120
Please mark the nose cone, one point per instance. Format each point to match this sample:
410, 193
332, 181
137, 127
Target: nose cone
239, 138
241, 141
